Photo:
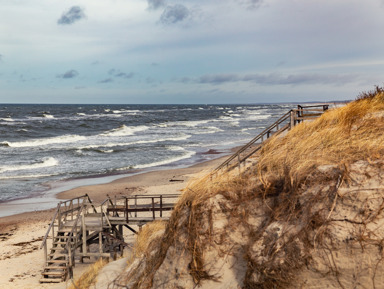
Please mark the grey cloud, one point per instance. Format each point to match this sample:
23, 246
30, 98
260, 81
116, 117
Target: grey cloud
293, 79
251, 4
125, 75
218, 78
75, 13
155, 4
117, 73
1, 57
69, 74
279, 79
174, 14
108, 80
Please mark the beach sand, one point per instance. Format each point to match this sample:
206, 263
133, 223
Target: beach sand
21, 260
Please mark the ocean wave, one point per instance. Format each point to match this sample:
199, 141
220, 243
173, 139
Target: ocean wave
110, 145
125, 130
45, 162
45, 141
8, 119
210, 130
48, 116
192, 123
26, 177
257, 117
186, 155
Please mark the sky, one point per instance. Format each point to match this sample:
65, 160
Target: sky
189, 52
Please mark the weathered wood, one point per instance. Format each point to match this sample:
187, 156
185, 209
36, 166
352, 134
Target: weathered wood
96, 227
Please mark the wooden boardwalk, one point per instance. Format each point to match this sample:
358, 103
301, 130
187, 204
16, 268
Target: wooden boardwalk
78, 224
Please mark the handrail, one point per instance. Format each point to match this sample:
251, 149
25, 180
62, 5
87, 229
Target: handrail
91, 203
74, 226
293, 120
50, 226
59, 205
151, 204
251, 142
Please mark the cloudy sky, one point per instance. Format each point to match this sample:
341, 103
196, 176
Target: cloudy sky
191, 51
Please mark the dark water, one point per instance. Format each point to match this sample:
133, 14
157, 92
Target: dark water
43, 144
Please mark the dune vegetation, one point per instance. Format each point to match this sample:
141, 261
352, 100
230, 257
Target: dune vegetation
308, 212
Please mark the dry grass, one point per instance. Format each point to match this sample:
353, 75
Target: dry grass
286, 165
87, 279
146, 235
340, 136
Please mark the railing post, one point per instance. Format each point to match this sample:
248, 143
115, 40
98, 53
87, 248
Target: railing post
45, 252
161, 206
135, 206
153, 207
126, 209
85, 235
292, 119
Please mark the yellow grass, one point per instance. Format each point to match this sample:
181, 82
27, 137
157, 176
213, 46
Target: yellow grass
341, 136
87, 279
146, 235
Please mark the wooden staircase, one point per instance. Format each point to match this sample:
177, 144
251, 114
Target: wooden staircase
80, 229
57, 263
60, 260
284, 123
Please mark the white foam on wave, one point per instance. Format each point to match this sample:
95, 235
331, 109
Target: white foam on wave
186, 155
27, 177
192, 123
48, 116
81, 114
125, 130
45, 141
109, 145
8, 119
260, 116
45, 162
210, 130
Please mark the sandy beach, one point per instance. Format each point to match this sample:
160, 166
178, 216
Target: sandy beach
21, 260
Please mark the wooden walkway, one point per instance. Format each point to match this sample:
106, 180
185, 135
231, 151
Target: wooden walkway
78, 224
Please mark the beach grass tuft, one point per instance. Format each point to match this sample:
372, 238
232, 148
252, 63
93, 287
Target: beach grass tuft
87, 279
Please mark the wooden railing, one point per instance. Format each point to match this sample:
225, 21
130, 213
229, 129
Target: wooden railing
66, 210
133, 207
285, 122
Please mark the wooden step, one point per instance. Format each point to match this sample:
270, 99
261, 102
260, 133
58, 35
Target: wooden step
59, 243
68, 230
57, 249
54, 273
55, 256
51, 280
49, 267
58, 261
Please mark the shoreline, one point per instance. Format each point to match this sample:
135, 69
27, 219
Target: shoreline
21, 234
94, 186
122, 185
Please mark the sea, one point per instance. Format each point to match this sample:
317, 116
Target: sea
49, 148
